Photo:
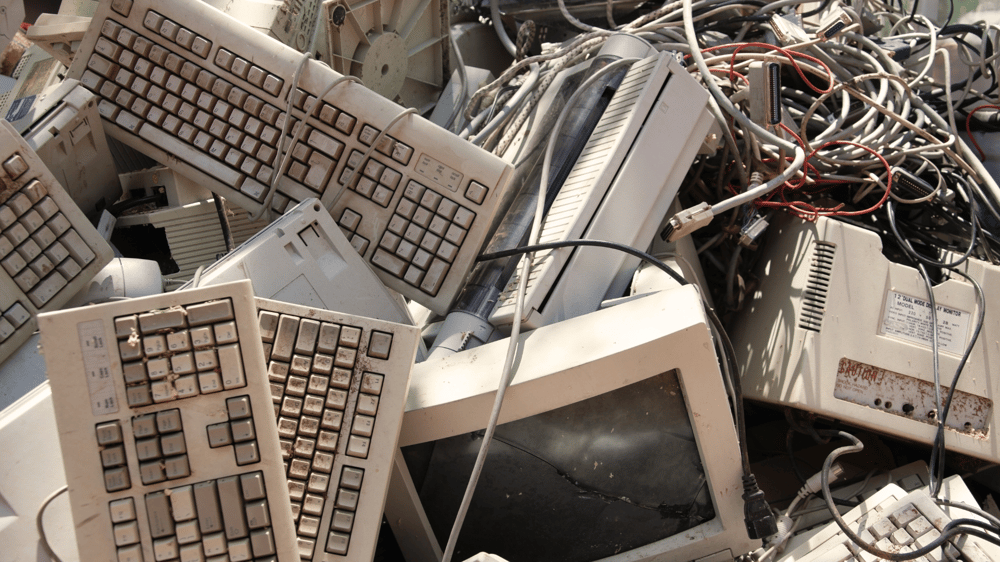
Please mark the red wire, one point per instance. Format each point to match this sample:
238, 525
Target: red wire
730, 73
968, 127
809, 211
788, 54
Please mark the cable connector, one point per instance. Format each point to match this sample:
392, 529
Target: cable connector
833, 25
757, 513
897, 49
765, 93
786, 31
815, 482
752, 231
686, 222
917, 188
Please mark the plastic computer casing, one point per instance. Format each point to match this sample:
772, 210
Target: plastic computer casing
64, 128
30, 470
618, 190
303, 258
838, 329
663, 334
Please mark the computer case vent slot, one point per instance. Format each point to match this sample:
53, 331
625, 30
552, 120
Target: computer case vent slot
814, 296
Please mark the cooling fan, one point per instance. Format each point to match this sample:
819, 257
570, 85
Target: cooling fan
399, 48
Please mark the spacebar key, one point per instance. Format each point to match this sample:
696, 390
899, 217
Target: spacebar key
169, 143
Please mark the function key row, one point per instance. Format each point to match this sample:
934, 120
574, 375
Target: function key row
248, 71
176, 34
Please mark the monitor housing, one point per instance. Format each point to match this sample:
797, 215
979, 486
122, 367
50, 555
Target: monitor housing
599, 405
838, 329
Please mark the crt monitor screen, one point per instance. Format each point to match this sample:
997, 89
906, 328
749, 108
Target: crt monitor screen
581, 482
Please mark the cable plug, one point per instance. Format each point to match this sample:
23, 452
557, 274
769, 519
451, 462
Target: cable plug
687, 221
757, 513
815, 482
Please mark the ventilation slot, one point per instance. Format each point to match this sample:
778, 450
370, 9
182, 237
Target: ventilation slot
814, 297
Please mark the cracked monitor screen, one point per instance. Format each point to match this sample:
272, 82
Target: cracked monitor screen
582, 482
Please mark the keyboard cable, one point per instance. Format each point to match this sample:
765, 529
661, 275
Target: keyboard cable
41, 527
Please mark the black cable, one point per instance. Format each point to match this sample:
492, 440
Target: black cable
936, 468
971, 509
972, 522
595, 243
890, 211
227, 233
946, 535
937, 453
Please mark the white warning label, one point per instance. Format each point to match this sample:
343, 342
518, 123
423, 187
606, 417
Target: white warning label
909, 318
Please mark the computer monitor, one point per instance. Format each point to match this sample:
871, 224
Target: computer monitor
616, 440
838, 329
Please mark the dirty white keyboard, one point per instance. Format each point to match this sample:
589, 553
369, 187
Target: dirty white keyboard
339, 385
813, 516
48, 248
892, 520
163, 411
205, 94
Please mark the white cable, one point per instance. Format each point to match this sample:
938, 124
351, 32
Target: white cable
41, 527
498, 26
507, 373
276, 173
463, 85
571, 19
727, 105
368, 153
284, 151
529, 83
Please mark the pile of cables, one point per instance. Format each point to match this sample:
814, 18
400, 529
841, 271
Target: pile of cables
827, 108
852, 110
